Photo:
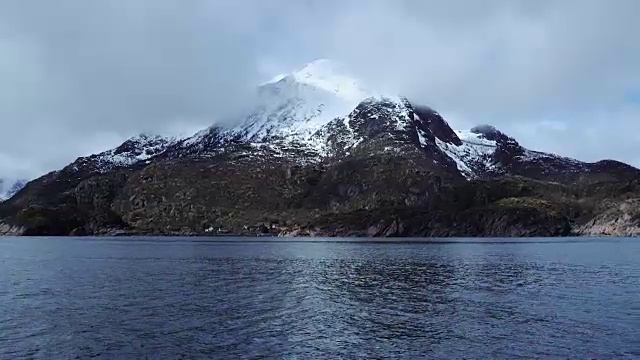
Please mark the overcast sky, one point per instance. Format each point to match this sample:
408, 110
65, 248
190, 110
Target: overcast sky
78, 76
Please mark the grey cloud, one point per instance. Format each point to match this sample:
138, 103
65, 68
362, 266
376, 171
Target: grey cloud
122, 62
73, 70
505, 57
79, 76
510, 63
588, 134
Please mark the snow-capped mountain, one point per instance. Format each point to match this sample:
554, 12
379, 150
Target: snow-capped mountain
319, 151
319, 111
288, 110
302, 111
324, 111
9, 187
319, 107
299, 104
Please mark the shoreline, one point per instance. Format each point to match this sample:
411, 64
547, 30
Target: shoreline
287, 238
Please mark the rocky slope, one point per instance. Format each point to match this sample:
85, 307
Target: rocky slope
614, 218
319, 154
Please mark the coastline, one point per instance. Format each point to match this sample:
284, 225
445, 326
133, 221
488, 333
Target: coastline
313, 234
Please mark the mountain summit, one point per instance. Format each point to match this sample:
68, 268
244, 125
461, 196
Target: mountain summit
318, 153
293, 107
332, 77
9, 187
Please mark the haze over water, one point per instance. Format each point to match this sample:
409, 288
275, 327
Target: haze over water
312, 298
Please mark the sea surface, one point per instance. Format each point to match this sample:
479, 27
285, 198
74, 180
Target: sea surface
167, 298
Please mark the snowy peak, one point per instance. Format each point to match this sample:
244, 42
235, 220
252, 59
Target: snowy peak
8, 188
291, 108
288, 110
323, 112
331, 76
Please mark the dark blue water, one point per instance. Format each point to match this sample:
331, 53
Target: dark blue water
170, 298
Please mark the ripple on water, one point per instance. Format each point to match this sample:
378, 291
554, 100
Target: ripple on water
326, 300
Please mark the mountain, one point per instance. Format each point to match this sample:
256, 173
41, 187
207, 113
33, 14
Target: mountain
8, 187
132, 153
322, 154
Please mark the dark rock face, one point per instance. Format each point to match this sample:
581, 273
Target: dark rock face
429, 121
478, 222
381, 171
508, 150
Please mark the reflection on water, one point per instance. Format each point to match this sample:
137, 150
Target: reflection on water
122, 298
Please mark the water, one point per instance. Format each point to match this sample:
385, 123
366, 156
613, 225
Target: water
172, 298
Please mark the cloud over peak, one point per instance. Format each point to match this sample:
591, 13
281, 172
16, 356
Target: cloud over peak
78, 75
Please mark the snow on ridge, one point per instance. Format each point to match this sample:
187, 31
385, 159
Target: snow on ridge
292, 108
460, 154
144, 148
473, 138
298, 105
9, 187
291, 111
137, 149
197, 137
475, 152
331, 76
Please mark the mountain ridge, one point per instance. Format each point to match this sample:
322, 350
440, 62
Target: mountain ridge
9, 187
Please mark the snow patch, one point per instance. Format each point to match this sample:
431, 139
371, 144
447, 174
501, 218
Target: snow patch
421, 138
453, 152
473, 138
474, 153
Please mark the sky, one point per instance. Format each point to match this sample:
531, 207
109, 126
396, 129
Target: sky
78, 77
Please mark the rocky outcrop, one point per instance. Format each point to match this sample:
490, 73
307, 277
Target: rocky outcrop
619, 218
11, 230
